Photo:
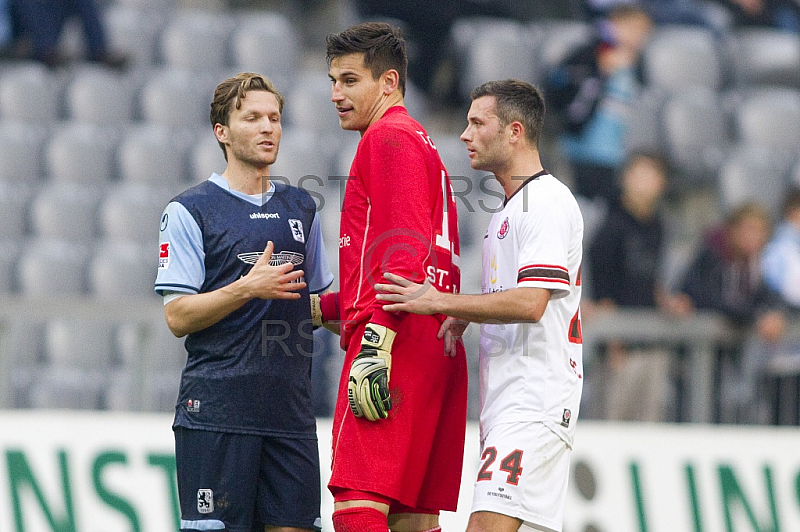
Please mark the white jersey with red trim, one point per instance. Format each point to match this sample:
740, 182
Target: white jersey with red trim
534, 371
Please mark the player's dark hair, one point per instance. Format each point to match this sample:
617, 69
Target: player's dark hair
382, 45
230, 93
516, 101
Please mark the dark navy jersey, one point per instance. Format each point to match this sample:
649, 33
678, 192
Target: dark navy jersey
251, 371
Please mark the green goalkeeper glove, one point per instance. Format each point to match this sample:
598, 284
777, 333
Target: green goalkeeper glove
368, 385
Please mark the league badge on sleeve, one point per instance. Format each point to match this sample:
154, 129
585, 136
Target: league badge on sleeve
163, 256
297, 230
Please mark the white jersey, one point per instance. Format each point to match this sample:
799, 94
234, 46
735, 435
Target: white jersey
534, 371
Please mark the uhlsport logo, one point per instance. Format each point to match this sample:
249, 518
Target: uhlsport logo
265, 216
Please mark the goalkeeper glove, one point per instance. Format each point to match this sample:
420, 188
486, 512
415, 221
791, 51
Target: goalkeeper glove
368, 385
316, 311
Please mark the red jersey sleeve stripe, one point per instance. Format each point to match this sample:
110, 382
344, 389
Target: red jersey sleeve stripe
546, 274
543, 280
550, 266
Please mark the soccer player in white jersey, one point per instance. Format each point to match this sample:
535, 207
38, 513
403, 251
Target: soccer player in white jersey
531, 369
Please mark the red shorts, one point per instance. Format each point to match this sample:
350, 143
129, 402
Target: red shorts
415, 455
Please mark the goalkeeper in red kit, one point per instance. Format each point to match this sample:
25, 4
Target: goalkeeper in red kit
398, 429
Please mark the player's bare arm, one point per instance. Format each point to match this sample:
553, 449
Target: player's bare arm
509, 306
195, 312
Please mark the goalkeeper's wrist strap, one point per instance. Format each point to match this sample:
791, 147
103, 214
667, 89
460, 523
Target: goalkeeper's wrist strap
379, 337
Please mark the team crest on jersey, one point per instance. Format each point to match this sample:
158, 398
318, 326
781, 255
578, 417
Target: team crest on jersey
503, 232
193, 405
565, 417
163, 256
205, 501
297, 230
282, 257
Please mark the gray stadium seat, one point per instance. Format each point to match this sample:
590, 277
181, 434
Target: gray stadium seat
795, 176
120, 269
206, 156
15, 199
163, 7
493, 48
8, 266
21, 361
78, 354
177, 98
131, 211
753, 173
82, 153
644, 128
559, 38
162, 372
769, 117
303, 152
50, 267
268, 44
99, 96
696, 133
152, 153
308, 103
683, 57
21, 151
765, 56
134, 31
196, 40
30, 92
65, 211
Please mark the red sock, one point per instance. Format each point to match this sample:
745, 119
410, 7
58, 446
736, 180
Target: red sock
360, 519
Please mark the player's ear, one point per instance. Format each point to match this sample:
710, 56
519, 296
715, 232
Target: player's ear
390, 81
517, 131
221, 132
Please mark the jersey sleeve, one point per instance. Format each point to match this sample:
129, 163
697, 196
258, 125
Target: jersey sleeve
543, 229
318, 272
181, 259
398, 189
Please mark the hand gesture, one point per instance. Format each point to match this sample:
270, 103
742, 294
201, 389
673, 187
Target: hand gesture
452, 330
265, 281
407, 296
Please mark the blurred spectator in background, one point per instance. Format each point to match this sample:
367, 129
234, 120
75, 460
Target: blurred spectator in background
781, 260
698, 12
592, 93
6, 28
625, 258
779, 14
726, 276
40, 24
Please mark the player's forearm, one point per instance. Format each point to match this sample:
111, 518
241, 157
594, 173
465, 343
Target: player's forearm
510, 306
195, 312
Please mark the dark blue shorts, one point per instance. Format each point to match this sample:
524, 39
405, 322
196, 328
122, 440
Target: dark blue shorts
241, 482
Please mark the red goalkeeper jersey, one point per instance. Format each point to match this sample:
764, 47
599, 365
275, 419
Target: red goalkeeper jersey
398, 215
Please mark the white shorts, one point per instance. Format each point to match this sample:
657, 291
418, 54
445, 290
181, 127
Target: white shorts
524, 473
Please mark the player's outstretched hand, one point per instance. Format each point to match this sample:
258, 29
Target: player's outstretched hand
407, 296
368, 383
452, 330
266, 281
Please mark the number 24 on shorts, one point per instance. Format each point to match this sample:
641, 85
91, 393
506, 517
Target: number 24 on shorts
511, 464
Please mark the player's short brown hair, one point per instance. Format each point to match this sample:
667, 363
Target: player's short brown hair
230, 93
382, 45
516, 101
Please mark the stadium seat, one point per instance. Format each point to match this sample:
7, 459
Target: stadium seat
196, 40
769, 117
21, 361
493, 48
99, 96
77, 362
559, 37
765, 56
134, 31
21, 150
645, 128
683, 57
753, 173
50, 267
154, 154
121, 269
30, 92
206, 156
65, 211
696, 134
308, 104
15, 199
163, 7
177, 98
8, 266
131, 211
795, 176
303, 152
268, 44
82, 153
